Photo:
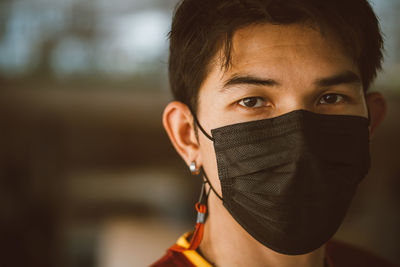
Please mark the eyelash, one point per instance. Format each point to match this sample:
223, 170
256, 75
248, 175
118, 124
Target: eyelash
344, 99
250, 98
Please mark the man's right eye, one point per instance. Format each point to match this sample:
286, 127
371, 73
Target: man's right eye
252, 102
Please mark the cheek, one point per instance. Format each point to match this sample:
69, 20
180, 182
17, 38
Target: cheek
210, 162
359, 106
364, 106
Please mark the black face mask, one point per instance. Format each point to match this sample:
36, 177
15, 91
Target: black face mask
289, 180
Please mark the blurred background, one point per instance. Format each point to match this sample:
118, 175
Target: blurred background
87, 174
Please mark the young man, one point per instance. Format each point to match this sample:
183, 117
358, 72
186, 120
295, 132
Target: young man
272, 110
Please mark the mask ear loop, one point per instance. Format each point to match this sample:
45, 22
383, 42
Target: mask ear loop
201, 128
203, 173
201, 205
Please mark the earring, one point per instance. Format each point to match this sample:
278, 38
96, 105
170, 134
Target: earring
193, 168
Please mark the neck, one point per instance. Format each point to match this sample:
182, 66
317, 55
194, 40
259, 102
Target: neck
226, 243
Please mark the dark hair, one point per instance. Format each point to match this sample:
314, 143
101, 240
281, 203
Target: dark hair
200, 28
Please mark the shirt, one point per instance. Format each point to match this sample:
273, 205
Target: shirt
337, 254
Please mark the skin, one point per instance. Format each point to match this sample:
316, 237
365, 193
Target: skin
275, 69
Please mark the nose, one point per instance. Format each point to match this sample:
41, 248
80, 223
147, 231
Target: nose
293, 102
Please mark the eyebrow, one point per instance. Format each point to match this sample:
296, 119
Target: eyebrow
345, 77
249, 80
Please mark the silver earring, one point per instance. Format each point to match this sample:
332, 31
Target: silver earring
193, 168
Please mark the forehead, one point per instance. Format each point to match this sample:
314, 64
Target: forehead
276, 47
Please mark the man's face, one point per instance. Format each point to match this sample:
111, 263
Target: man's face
277, 69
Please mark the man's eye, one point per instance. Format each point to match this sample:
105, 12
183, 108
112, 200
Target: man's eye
331, 99
252, 102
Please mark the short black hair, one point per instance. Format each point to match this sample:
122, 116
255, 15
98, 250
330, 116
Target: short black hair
200, 28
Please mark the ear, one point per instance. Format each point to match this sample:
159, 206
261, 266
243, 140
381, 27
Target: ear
178, 122
377, 109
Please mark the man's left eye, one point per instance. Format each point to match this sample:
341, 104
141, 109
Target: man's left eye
331, 99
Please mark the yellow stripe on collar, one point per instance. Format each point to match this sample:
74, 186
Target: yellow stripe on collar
191, 255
